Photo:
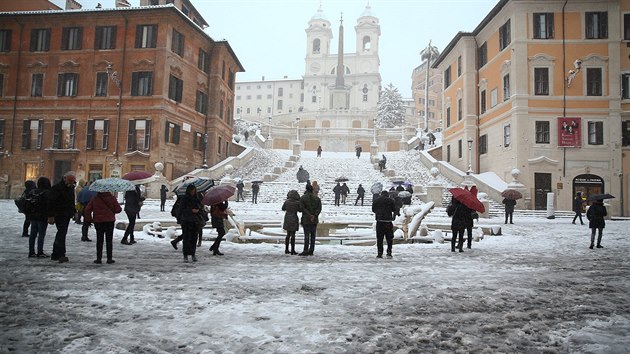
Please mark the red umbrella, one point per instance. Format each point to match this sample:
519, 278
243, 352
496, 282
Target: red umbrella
467, 198
512, 194
136, 175
218, 194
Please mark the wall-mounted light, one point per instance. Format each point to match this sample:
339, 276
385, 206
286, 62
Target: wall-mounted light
577, 64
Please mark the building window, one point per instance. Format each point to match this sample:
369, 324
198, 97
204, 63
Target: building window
142, 83
542, 132
280, 91
448, 116
37, 84
1, 133
279, 105
67, 84
259, 97
367, 44
504, 36
459, 109
482, 101
40, 40
219, 145
71, 38
459, 149
543, 25
448, 153
596, 25
459, 66
223, 68
175, 88
198, 143
447, 77
482, 55
268, 110
506, 87
105, 37
171, 134
625, 86
204, 61
494, 97
595, 133
63, 137
222, 108
626, 27
201, 104
177, 44
593, 81
507, 135
146, 36
625, 133
139, 135
316, 45
483, 144
97, 134
32, 132
541, 81
101, 84
5, 40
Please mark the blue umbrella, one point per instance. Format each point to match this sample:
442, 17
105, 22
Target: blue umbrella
201, 183
112, 185
85, 195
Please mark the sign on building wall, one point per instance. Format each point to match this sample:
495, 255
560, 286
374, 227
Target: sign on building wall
569, 131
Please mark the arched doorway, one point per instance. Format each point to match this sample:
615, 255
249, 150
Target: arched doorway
588, 184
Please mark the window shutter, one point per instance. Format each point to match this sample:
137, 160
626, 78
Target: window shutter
147, 135
79, 38
112, 38
75, 84
153, 36
40, 133
56, 134
72, 125
105, 135
131, 135
26, 126
180, 90
64, 38
166, 134
98, 34
33, 40
60, 84
46, 40
176, 134
134, 84
89, 141
139, 36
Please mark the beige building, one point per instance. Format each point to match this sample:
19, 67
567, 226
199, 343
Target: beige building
418, 90
542, 86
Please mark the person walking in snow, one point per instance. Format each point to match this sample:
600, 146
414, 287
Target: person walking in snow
461, 216
190, 211
319, 151
291, 222
61, 206
239, 190
28, 187
360, 195
38, 217
218, 213
315, 186
163, 191
255, 190
578, 202
132, 209
337, 191
595, 215
509, 209
382, 163
102, 210
384, 210
344, 193
311, 207
358, 150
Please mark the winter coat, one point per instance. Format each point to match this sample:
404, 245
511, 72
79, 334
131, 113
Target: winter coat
255, 188
384, 208
361, 191
291, 207
218, 214
102, 208
61, 202
311, 206
595, 215
337, 190
132, 201
163, 191
315, 187
461, 215
190, 202
40, 211
344, 189
240, 186
509, 205
577, 204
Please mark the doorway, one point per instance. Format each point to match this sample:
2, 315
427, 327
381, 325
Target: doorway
588, 184
542, 186
61, 167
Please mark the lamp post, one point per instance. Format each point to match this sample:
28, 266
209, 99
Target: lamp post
470, 142
114, 77
297, 132
269, 132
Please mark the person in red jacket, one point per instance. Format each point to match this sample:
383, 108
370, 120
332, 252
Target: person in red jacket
102, 210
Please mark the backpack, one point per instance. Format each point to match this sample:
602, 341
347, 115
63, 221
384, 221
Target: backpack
175, 208
33, 202
20, 203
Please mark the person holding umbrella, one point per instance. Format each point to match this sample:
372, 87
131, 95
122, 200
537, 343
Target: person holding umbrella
132, 209
102, 210
509, 209
83, 198
189, 216
218, 213
291, 223
595, 215
461, 218
337, 191
578, 202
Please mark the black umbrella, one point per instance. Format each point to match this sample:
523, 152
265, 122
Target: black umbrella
341, 179
599, 197
302, 175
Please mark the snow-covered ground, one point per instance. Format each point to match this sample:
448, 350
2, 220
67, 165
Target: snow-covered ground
537, 288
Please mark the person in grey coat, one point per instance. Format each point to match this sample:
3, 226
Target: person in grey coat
595, 215
291, 222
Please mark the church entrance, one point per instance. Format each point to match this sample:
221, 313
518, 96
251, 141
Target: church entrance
588, 184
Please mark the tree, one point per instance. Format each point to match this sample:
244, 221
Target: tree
391, 110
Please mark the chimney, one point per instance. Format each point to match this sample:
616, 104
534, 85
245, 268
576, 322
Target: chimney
72, 5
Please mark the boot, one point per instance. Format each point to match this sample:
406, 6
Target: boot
599, 241
124, 240
293, 253
592, 241
286, 245
132, 240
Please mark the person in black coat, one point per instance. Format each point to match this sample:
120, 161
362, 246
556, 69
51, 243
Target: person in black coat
39, 218
239, 190
255, 190
218, 213
132, 208
360, 195
61, 208
291, 221
337, 191
461, 218
577, 207
595, 215
189, 216
509, 209
163, 191
385, 210
28, 187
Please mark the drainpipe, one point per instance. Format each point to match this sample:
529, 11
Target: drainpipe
120, 91
477, 129
564, 88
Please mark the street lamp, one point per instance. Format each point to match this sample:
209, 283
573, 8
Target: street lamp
114, 76
297, 133
470, 142
269, 132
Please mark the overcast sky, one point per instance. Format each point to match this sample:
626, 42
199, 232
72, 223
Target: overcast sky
269, 38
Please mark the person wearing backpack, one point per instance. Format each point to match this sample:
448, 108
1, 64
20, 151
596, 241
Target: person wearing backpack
37, 213
102, 210
29, 186
61, 207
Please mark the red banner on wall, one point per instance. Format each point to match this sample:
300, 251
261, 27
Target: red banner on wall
569, 131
